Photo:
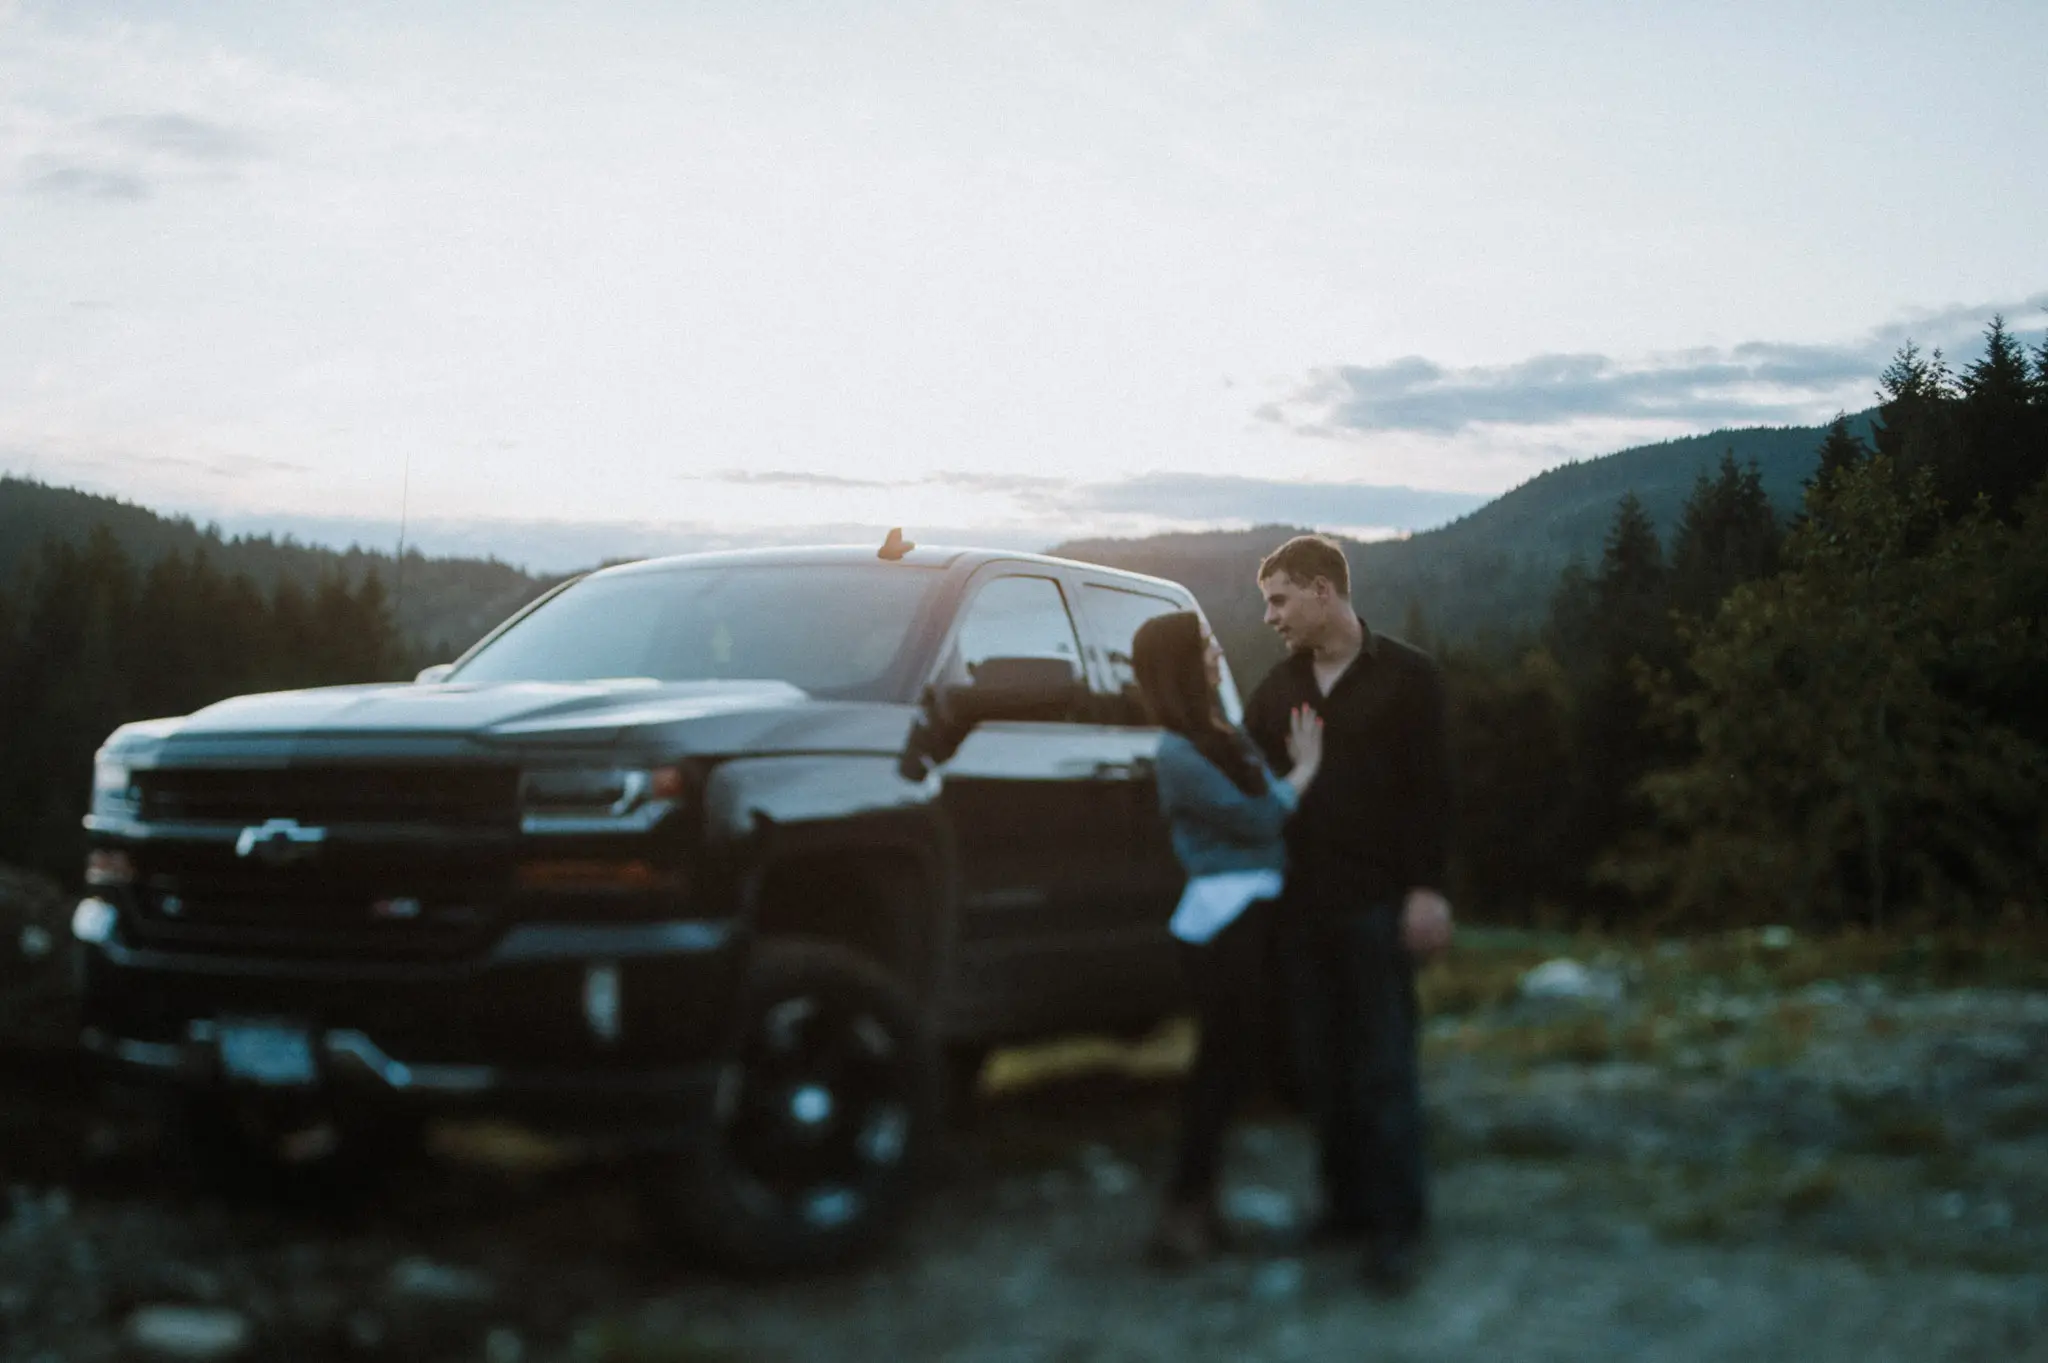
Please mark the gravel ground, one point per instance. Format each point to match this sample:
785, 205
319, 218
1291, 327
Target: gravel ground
1838, 1173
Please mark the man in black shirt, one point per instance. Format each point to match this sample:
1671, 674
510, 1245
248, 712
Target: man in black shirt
1366, 862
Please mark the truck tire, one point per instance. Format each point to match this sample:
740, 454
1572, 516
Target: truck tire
830, 1100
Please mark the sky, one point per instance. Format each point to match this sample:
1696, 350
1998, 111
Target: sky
559, 279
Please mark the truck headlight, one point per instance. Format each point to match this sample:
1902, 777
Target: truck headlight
584, 792
113, 789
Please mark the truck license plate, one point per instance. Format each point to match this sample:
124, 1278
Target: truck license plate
271, 1054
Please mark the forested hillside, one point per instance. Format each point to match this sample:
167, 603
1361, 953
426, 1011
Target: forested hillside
1486, 579
110, 612
1794, 676
1783, 676
442, 604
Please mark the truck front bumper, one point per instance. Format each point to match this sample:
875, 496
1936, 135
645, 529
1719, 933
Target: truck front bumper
574, 1024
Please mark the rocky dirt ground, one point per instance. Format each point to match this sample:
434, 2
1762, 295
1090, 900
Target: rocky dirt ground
1750, 1149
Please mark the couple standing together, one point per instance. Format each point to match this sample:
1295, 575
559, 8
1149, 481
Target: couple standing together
1315, 842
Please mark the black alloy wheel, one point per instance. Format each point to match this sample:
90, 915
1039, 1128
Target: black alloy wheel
822, 1118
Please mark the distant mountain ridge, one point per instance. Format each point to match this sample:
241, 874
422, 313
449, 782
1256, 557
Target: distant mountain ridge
444, 604
1486, 578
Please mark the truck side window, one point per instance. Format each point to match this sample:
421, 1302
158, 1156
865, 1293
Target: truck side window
1115, 615
1016, 617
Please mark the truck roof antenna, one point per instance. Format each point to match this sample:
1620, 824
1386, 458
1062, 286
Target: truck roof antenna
895, 546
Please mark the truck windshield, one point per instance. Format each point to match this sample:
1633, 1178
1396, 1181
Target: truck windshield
836, 631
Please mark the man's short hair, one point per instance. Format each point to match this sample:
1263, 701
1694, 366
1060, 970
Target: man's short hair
1306, 558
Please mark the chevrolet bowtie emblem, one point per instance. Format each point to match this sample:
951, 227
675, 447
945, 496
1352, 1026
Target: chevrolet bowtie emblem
279, 842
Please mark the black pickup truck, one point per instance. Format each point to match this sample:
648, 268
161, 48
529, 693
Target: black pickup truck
743, 854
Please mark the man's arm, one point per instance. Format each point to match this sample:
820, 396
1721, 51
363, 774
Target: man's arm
1429, 768
1426, 913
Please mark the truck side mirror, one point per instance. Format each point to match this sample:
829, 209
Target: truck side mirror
998, 689
437, 672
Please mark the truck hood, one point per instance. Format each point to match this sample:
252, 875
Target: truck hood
477, 710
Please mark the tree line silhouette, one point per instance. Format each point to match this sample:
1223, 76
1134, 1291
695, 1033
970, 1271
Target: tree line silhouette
1840, 721
1837, 718
90, 639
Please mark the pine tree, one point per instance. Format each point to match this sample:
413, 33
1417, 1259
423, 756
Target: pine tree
1612, 627
1510, 730
1568, 632
1727, 535
1916, 429
74, 680
1840, 450
2004, 431
1631, 589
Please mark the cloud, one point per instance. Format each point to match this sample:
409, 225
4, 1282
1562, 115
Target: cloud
1755, 383
127, 157
78, 180
1201, 497
180, 137
550, 547
124, 467
1134, 506
782, 478
1176, 498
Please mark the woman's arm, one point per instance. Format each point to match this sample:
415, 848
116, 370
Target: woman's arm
1194, 790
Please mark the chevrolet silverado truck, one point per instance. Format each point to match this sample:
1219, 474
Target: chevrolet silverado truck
739, 855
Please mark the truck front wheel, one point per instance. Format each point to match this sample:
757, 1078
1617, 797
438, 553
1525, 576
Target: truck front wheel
828, 1103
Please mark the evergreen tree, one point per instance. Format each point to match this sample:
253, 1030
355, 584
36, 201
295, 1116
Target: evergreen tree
1727, 535
1511, 745
2003, 428
1916, 429
73, 672
1612, 627
1839, 451
1631, 593
1840, 777
89, 642
1568, 632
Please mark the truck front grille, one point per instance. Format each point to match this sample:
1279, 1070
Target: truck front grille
353, 911
450, 795
410, 861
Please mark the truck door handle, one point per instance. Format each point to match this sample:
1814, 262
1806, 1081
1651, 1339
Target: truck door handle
1137, 769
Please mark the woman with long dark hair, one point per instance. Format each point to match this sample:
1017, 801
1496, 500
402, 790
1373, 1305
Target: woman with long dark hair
1226, 812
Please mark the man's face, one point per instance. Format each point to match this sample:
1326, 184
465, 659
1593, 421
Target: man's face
1297, 612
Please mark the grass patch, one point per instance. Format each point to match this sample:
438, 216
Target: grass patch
1166, 1052
1584, 1039
1907, 1135
1528, 1141
2010, 954
1762, 1197
1780, 1037
1809, 1190
1474, 979
2018, 1118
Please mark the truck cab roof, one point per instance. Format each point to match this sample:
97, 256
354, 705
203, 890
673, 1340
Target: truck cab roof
938, 556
